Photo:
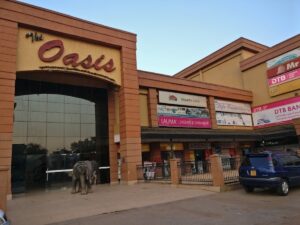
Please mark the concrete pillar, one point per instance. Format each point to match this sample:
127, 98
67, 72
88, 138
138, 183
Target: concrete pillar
175, 171
217, 170
3, 186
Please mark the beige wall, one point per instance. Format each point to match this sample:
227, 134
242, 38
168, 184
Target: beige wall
224, 72
255, 80
144, 108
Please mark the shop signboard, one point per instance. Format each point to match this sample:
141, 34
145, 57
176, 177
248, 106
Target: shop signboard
181, 111
173, 121
40, 50
283, 58
233, 119
284, 78
284, 88
180, 116
229, 106
199, 145
276, 113
283, 68
176, 98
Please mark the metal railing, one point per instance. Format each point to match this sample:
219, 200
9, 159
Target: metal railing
151, 171
230, 170
196, 172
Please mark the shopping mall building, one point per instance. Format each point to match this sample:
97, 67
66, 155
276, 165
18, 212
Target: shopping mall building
70, 90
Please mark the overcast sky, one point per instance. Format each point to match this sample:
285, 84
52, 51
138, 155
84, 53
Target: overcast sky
173, 34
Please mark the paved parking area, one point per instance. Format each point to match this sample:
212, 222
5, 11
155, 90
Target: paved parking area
227, 208
53, 206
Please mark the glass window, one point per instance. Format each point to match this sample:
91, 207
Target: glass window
73, 118
55, 107
55, 117
53, 131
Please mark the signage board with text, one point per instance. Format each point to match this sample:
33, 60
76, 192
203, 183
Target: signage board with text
176, 98
276, 113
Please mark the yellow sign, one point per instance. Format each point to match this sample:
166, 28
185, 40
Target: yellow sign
44, 51
284, 88
167, 146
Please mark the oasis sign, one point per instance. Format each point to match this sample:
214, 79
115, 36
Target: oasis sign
53, 53
73, 59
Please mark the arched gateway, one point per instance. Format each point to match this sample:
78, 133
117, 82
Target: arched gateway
68, 91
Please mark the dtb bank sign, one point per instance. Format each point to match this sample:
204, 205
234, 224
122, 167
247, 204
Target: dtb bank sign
43, 51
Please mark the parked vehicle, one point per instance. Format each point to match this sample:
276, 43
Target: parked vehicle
3, 219
274, 170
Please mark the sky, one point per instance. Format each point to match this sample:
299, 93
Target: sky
174, 34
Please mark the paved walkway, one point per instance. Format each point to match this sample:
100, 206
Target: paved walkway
52, 206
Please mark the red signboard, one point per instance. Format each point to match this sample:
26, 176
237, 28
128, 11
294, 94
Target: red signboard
285, 67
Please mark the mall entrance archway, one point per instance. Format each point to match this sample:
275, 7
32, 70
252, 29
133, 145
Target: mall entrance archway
55, 125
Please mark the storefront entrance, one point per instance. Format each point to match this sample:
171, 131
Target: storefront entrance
56, 125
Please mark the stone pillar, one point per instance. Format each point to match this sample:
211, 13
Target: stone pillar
152, 107
8, 59
3, 186
212, 112
217, 170
175, 172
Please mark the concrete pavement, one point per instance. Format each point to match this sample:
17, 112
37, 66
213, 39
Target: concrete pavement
58, 205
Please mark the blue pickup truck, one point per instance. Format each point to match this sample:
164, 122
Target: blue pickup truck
276, 170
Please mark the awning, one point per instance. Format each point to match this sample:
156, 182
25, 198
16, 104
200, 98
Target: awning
215, 135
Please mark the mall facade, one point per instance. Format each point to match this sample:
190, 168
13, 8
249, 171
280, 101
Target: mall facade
70, 90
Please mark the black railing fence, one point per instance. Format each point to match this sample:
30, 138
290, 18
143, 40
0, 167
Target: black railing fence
196, 172
230, 170
190, 172
150, 171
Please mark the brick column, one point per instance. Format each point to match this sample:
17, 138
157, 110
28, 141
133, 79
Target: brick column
3, 186
217, 170
152, 107
212, 112
8, 57
113, 148
155, 154
175, 172
130, 128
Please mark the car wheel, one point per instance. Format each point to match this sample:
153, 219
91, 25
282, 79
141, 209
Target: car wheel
283, 188
248, 189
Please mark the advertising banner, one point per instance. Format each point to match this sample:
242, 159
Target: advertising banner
276, 113
180, 111
173, 121
283, 78
233, 119
182, 99
288, 66
228, 106
284, 88
284, 58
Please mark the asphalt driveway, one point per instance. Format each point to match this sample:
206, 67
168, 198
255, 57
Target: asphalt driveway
229, 208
